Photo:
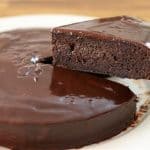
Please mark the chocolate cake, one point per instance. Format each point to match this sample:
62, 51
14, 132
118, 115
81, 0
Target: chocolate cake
49, 108
117, 46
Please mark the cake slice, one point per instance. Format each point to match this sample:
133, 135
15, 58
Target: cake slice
117, 46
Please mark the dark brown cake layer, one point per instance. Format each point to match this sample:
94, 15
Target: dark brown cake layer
48, 108
117, 46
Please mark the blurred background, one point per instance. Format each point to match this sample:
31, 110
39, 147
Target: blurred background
100, 8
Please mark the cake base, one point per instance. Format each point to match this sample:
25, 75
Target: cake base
46, 107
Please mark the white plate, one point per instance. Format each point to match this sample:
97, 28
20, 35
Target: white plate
137, 138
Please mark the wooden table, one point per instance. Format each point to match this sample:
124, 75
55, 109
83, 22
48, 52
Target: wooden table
101, 8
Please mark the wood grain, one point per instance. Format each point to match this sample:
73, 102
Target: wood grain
100, 8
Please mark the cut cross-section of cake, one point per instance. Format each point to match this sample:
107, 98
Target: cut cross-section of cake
117, 46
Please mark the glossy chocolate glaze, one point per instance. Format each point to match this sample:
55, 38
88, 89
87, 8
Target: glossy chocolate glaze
123, 27
43, 105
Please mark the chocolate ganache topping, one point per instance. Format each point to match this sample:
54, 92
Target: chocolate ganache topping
121, 26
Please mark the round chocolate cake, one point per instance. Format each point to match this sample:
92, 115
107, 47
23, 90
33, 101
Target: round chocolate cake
50, 108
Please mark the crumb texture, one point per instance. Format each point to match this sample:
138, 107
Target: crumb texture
103, 55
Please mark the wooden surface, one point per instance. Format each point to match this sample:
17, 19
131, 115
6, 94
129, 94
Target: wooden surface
101, 8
